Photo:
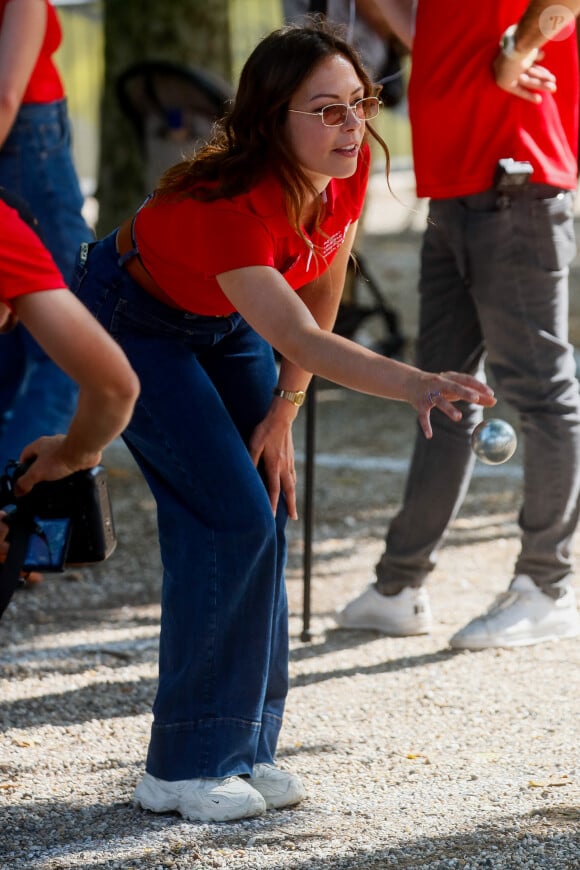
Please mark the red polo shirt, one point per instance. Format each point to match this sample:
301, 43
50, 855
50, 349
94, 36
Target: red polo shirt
463, 123
185, 244
25, 264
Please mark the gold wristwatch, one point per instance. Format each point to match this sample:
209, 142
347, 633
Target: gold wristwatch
295, 396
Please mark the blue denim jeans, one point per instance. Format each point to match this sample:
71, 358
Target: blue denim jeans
36, 398
494, 283
205, 384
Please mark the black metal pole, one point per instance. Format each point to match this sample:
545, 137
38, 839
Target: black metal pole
310, 450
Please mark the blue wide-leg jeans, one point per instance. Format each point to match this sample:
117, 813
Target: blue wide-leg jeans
223, 663
36, 397
494, 282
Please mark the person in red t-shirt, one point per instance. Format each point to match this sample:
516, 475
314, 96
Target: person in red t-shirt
241, 248
33, 291
36, 163
493, 288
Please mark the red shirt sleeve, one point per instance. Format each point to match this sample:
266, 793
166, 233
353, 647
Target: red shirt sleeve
25, 264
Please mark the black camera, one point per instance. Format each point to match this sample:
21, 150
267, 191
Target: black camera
69, 521
512, 175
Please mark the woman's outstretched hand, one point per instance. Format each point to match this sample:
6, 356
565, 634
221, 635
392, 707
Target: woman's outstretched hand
430, 391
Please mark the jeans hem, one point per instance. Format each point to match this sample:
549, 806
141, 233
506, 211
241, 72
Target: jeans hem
209, 749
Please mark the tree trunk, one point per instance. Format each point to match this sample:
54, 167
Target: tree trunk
194, 33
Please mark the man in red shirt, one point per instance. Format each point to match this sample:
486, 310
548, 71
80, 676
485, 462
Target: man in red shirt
493, 288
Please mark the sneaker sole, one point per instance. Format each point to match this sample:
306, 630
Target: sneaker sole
279, 803
399, 631
494, 643
153, 805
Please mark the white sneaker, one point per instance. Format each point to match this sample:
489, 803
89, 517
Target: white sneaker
278, 787
522, 616
200, 800
401, 615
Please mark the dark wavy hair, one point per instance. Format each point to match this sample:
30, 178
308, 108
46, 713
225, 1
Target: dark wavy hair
251, 139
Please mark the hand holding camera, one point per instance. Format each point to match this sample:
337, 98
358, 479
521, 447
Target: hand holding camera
47, 459
54, 525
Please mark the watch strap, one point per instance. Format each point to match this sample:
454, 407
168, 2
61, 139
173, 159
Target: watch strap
295, 396
507, 44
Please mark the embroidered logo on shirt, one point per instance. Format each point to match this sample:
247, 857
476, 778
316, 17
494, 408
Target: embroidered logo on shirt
334, 242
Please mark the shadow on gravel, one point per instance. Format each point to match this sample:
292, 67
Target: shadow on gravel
501, 846
51, 833
112, 699
385, 667
108, 700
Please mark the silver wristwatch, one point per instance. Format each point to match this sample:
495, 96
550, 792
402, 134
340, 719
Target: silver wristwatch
507, 44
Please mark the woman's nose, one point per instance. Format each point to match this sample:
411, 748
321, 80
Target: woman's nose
352, 119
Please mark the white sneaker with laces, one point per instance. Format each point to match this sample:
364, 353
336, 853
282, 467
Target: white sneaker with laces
522, 616
402, 615
278, 787
200, 800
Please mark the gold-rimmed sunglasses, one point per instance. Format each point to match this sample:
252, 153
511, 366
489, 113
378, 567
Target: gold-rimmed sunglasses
336, 114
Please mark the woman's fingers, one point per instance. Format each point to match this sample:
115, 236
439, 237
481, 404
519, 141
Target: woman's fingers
441, 391
457, 386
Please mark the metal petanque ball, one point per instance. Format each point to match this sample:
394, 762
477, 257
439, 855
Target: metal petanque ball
494, 441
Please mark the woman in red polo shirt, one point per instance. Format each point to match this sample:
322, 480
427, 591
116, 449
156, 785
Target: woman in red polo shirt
241, 248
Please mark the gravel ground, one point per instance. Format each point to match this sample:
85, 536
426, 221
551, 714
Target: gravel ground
413, 756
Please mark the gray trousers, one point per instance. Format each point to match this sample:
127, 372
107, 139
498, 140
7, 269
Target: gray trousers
494, 287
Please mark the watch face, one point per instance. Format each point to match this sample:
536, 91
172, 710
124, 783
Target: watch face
507, 45
507, 42
295, 396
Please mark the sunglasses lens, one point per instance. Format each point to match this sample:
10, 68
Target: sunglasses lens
334, 116
368, 108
